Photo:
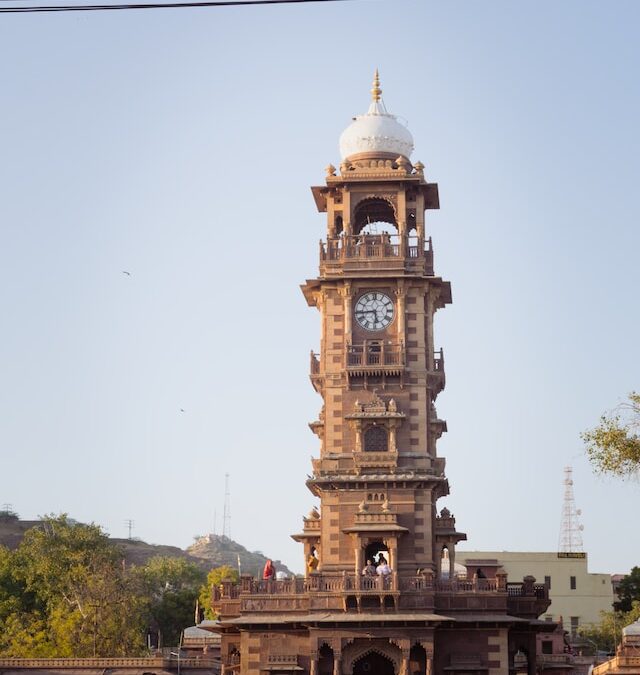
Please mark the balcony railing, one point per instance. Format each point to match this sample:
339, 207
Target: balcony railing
373, 246
337, 583
375, 355
349, 591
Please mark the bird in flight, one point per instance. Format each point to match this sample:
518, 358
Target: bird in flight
127, 273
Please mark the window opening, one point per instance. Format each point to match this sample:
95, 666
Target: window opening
376, 439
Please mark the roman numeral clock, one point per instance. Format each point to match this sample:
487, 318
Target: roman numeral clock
374, 311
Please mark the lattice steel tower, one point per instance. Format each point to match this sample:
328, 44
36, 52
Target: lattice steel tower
570, 540
226, 515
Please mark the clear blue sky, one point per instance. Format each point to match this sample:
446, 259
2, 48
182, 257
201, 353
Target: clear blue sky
180, 145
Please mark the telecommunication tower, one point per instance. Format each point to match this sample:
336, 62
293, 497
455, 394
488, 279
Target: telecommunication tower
226, 515
570, 529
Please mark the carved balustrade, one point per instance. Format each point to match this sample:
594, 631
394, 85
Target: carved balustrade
375, 354
349, 249
315, 364
144, 663
324, 591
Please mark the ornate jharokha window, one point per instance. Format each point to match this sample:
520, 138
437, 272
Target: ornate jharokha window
376, 439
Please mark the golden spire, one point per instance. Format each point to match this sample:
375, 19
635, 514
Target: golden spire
376, 91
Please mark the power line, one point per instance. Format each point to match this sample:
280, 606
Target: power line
151, 5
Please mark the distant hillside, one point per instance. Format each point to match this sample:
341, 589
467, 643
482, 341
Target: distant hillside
12, 529
220, 550
209, 551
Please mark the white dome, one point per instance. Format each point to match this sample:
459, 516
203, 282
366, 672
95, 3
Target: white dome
632, 629
376, 131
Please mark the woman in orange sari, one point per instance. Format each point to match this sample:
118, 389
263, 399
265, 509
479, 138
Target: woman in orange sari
269, 571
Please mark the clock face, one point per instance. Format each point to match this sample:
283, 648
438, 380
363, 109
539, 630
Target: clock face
374, 310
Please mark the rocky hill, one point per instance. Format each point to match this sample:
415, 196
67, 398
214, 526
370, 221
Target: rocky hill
220, 550
209, 551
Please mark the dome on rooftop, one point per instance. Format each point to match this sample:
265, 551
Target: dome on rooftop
632, 629
377, 131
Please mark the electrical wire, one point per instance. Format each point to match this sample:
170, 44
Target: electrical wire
151, 5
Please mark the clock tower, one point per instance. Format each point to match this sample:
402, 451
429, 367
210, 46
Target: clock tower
378, 370
381, 594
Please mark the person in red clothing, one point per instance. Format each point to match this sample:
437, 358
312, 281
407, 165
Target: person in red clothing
269, 572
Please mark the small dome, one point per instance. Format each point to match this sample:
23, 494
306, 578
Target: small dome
633, 629
376, 131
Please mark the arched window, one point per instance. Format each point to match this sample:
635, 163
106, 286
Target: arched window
376, 439
374, 210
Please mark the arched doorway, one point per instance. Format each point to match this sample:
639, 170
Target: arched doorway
417, 660
374, 549
373, 663
325, 660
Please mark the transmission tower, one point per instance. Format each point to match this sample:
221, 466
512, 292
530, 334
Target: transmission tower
226, 515
129, 523
570, 529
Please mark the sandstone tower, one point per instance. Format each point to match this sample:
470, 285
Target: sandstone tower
378, 476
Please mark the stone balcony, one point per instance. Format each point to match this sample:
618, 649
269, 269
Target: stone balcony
375, 356
375, 252
348, 592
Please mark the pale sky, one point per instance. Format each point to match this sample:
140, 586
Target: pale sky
179, 145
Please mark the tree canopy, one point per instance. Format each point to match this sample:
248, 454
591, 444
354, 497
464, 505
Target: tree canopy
66, 591
628, 591
215, 577
613, 446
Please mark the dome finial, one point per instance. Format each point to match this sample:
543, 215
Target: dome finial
376, 92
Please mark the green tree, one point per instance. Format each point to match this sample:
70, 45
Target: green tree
215, 577
606, 634
171, 586
65, 592
613, 447
628, 591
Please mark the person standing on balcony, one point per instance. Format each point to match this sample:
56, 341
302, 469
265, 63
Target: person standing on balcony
384, 571
269, 572
312, 561
369, 570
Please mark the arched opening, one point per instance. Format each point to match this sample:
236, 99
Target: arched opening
373, 663
412, 239
374, 550
376, 439
325, 660
417, 660
374, 213
444, 563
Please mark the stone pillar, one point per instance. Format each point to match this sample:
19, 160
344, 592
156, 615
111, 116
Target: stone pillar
307, 551
429, 667
337, 663
346, 295
313, 663
346, 211
358, 557
393, 446
400, 295
452, 560
393, 563
405, 648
